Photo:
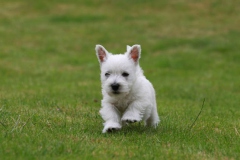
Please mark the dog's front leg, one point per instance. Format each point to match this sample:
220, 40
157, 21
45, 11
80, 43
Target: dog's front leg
111, 116
134, 113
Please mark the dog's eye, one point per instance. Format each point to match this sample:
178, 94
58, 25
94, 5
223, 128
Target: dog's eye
107, 74
125, 74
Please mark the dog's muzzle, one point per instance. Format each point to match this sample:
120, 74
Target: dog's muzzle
115, 87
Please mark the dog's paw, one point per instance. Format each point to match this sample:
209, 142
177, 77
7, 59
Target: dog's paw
129, 117
110, 130
111, 127
130, 120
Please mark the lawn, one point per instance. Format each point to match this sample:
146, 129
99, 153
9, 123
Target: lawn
50, 90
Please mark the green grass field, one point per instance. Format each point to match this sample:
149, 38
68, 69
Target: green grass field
50, 89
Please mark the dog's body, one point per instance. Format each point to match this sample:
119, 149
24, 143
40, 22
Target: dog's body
127, 95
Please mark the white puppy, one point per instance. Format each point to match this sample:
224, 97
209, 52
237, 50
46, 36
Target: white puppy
127, 95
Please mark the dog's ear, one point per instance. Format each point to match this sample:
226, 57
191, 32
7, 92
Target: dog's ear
128, 48
134, 52
102, 53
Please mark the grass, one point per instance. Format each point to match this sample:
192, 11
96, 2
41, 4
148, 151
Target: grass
50, 87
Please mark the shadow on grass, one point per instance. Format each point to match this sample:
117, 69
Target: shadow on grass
163, 133
131, 129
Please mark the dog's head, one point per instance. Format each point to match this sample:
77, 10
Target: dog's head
118, 72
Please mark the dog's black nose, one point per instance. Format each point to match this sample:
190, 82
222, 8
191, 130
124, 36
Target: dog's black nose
115, 86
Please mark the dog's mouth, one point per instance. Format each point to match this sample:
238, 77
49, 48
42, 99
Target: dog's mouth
116, 92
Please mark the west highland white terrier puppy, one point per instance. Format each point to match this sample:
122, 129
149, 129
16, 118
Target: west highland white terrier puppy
128, 96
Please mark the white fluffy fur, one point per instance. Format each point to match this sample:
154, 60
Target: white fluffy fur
135, 98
